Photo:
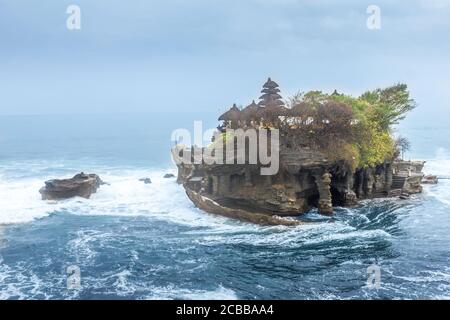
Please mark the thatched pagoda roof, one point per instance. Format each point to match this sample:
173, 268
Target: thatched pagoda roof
250, 112
270, 84
270, 90
234, 114
270, 96
265, 103
335, 93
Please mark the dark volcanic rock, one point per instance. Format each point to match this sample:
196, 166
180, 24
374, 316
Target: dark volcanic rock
169, 175
306, 180
82, 185
211, 206
404, 196
146, 180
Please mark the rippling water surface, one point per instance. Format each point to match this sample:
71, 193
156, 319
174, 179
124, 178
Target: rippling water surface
137, 241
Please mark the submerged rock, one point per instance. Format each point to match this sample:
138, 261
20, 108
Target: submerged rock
404, 196
81, 185
430, 179
146, 180
169, 175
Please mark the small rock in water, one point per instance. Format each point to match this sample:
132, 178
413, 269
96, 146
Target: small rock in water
430, 179
404, 196
146, 180
81, 185
169, 175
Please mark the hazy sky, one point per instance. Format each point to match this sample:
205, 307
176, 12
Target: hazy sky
181, 55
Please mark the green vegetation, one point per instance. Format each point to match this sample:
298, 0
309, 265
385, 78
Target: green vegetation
368, 140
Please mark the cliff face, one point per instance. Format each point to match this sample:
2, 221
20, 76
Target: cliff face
306, 179
316, 142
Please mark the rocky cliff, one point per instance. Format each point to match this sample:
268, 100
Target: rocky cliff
306, 180
331, 150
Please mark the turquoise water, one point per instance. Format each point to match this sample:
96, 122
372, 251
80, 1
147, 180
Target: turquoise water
137, 241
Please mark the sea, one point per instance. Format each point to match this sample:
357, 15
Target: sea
132, 240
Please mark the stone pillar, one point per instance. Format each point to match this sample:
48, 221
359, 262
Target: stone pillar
224, 184
350, 195
350, 180
370, 180
206, 184
388, 177
323, 181
359, 188
350, 198
215, 185
248, 178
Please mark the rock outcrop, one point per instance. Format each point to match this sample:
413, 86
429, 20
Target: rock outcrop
81, 185
312, 173
430, 179
306, 180
146, 180
214, 207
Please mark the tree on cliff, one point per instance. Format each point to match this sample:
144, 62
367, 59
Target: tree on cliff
389, 105
359, 127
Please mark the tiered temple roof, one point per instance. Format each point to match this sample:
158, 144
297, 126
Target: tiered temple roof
233, 114
271, 94
269, 108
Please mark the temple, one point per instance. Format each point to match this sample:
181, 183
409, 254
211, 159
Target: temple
312, 172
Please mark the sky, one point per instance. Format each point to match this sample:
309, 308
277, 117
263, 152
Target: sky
174, 56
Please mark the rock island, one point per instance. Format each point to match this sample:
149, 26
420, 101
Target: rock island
334, 150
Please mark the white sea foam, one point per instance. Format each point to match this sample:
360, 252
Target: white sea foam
440, 164
440, 192
82, 245
303, 235
170, 292
20, 283
20, 201
124, 195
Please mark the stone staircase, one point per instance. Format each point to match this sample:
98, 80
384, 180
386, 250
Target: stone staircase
395, 193
398, 181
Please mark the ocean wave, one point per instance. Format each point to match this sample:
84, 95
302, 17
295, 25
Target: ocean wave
21, 283
173, 293
439, 165
162, 200
294, 237
20, 201
124, 195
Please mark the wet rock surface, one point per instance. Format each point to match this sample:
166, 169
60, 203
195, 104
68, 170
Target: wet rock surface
81, 185
430, 179
146, 180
